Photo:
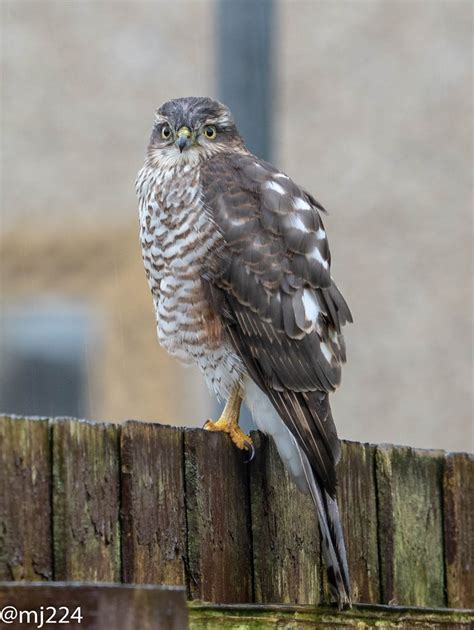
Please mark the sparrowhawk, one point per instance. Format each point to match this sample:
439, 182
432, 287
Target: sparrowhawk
238, 263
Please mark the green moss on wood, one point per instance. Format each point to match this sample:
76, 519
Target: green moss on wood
25, 499
286, 546
86, 501
217, 617
230, 539
411, 525
358, 508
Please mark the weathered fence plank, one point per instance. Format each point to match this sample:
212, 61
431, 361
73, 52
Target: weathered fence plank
277, 617
358, 507
153, 508
100, 607
459, 529
410, 525
86, 499
218, 518
286, 541
25, 499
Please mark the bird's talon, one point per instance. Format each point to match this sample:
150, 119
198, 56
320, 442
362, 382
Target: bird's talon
238, 437
249, 447
218, 425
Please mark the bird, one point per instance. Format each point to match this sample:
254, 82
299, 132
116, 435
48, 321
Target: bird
238, 264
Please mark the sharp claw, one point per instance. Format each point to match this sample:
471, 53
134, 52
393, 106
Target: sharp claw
250, 447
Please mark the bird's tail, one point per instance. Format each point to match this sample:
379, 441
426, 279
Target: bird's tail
334, 550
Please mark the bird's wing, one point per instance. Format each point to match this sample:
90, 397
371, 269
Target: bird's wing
270, 283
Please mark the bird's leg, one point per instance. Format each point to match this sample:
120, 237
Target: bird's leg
229, 422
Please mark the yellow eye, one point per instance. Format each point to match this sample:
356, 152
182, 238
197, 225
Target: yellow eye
166, 132
210, 132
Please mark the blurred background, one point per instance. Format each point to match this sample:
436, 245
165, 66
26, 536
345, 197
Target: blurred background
368, 105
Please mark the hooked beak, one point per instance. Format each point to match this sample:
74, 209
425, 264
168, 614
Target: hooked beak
183, 138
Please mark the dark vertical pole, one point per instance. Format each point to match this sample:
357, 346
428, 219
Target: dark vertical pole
245, 68
244, 65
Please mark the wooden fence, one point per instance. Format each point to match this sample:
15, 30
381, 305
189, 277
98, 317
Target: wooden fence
150, 504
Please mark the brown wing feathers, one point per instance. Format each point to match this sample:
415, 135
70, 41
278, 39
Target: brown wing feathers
283, 312
270, 283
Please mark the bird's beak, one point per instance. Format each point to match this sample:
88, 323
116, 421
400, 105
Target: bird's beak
183, 138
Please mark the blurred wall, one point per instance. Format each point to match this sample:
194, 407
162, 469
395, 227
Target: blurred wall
373, 114
81, 81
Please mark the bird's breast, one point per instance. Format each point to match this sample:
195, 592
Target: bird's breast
176, 236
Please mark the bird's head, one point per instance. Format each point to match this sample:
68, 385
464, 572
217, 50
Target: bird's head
192, 128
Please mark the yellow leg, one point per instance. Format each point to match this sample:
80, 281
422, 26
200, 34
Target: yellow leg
229, 422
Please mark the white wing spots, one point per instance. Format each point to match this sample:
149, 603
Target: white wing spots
300, 204
320, 234
316, 254
281, 175
326, 352
311, 306
296, 222
239, 221
275, 186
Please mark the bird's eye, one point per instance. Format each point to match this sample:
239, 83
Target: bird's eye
210, 132
165, 132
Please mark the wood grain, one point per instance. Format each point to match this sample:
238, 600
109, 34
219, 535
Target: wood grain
218, 518
25, 499
86, 499
153, 507
459, 529
273, 617
410, 525
286, 541
148, 503
358, 508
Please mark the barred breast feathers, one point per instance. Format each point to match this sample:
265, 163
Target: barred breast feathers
177, 233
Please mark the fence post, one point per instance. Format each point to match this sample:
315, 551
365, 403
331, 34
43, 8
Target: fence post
86, 498
25, 499
153, 507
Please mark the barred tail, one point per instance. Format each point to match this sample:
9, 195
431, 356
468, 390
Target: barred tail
334, 550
